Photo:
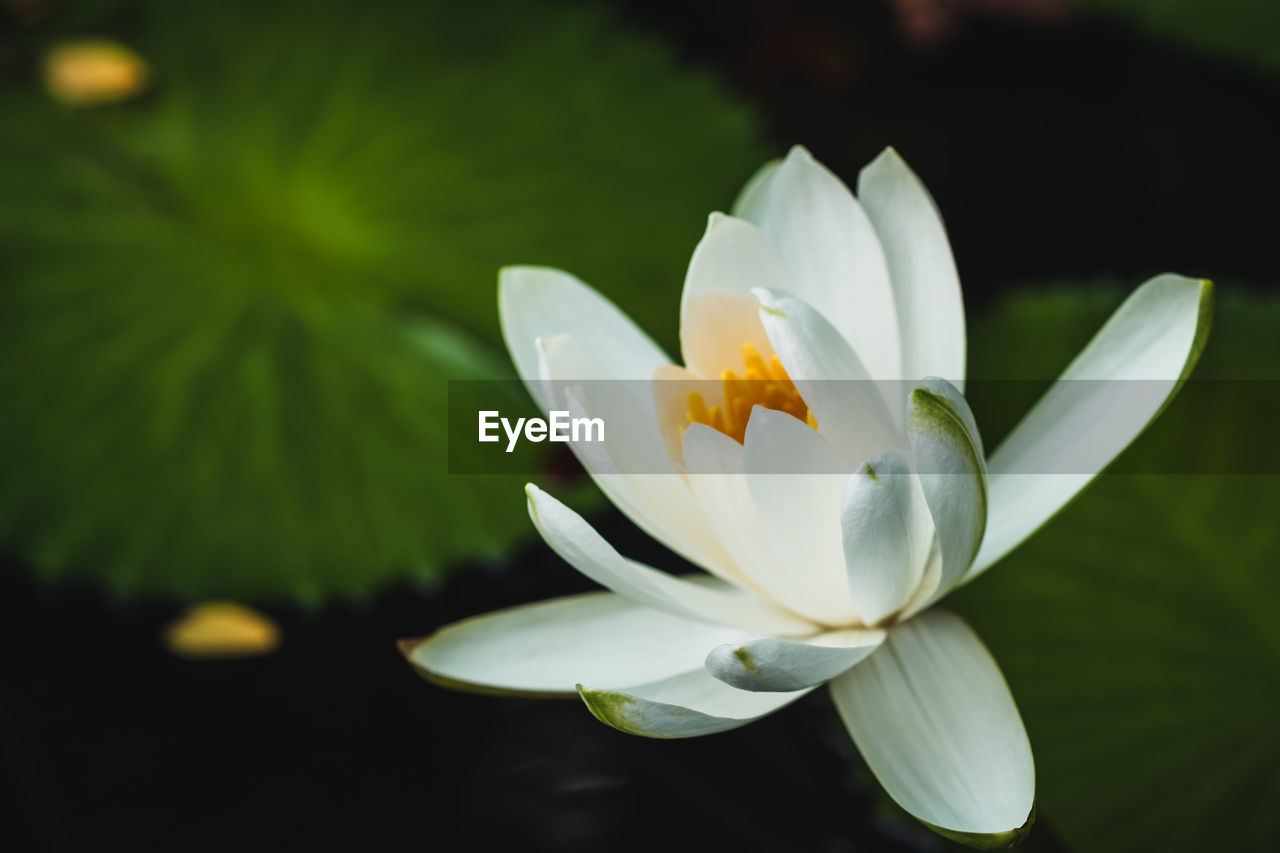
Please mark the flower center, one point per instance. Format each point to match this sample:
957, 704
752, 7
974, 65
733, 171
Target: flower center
761, 384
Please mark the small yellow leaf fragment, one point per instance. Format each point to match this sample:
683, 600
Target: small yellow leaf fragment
221, 629
84, 73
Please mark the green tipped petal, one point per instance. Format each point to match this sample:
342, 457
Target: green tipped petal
953, 474
988, 841
691, 704
1131, 370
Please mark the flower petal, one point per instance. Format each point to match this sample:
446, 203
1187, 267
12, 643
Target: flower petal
887, 533
774, 665
719, 483
587, 551
926, 288
796, 481
713, 329
631, 436
832, 256
848, 407
537, 302
754, 194
925, 592
1155, 336
548, 648
717, 312
631, 465
933, 717
685, 705
953, 474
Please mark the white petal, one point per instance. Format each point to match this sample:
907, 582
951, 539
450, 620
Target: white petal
754, 194
715, 327
631, 466
886, 533
796, 481
550, 647
717, 312
587, 551
926, 287
933, 717
719, 482
953, 474
850, 409
927, 590
832, 256
773, 665
686, 705
538, 302
631, 434
1077, 428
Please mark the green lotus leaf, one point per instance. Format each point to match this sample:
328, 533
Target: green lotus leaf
231, 305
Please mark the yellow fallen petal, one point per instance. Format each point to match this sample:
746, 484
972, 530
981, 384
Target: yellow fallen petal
221, 629
83, 73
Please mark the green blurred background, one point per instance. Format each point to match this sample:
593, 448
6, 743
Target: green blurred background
231, 300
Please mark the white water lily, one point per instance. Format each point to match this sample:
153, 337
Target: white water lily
829, 516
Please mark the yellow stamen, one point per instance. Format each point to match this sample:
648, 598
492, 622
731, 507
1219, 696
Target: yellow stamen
761, 384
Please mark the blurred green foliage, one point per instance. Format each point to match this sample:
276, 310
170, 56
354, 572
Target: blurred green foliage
230, 306
1138, 630
1246, 32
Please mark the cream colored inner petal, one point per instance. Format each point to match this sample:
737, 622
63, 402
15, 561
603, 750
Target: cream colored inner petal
715, 327
731, 367
672, 386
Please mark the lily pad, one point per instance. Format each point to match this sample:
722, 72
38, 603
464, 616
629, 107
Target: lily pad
1138, 630
231, 305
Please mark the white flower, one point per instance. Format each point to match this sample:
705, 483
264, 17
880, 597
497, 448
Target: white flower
822, 577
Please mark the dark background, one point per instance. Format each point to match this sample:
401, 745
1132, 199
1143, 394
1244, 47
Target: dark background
1055, 147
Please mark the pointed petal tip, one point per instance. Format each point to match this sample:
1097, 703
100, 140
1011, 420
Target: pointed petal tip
692, 705
517, 275
736, 666
769, 301
888, 156
771, 665
888, 165
1207, 289
407, 645
922, 395
991, 840
1204, 322
609, 707
716, 218
410, 646
534, 496
798, 152
641, 717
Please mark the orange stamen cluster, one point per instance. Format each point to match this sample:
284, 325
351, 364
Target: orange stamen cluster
762, 384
